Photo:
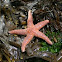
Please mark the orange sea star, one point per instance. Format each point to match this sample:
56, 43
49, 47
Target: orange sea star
31, 31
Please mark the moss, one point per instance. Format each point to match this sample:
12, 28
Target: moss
56, 47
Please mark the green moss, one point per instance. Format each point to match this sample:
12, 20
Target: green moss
56, 47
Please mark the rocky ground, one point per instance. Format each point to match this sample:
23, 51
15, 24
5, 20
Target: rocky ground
13, 15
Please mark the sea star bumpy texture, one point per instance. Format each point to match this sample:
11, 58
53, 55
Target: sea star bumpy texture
31, 31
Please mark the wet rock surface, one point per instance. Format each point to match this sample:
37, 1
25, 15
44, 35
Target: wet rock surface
2, 24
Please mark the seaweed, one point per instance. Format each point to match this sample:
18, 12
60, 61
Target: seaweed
13, 15
56, 47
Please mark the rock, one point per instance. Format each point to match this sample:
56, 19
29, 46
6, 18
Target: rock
2, 24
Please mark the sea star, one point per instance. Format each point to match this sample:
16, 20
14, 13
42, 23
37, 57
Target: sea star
31, 31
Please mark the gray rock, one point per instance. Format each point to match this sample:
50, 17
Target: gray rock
2, 24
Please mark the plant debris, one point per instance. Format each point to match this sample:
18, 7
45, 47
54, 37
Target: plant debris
14, 16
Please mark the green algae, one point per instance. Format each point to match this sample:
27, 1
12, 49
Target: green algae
56, 47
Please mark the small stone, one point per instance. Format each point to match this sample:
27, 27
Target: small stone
23, 22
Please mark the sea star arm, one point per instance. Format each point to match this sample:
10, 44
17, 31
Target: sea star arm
27, 39
30, 19
19, 31
43, 36
41, 24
